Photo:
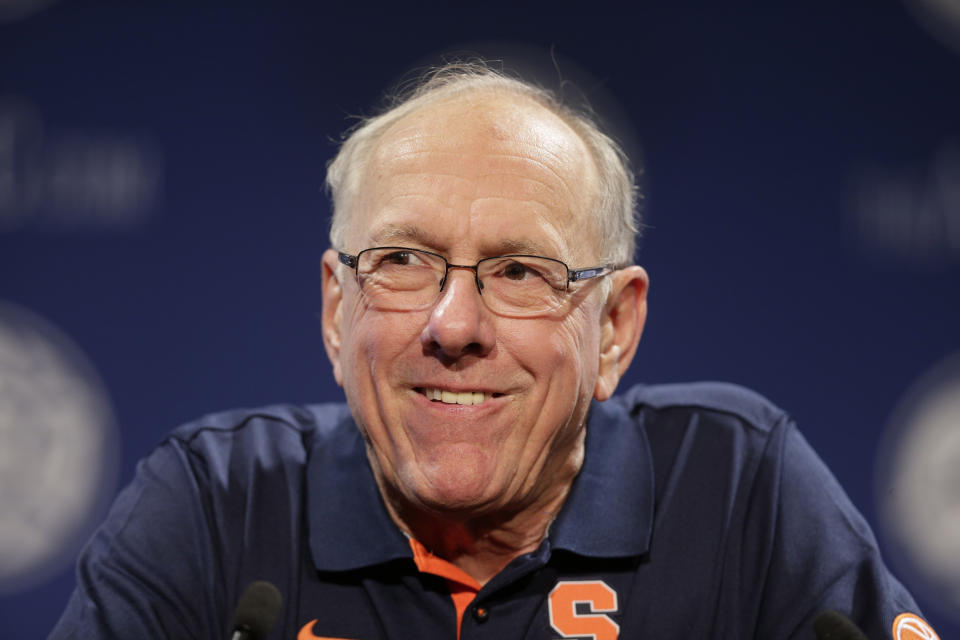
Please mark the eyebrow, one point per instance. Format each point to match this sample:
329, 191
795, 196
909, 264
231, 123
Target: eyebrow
404, 233
508, 246
412, 234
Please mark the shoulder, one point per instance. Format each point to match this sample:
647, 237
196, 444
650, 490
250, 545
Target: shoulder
718, 401
707, 434
274, 436
279, 419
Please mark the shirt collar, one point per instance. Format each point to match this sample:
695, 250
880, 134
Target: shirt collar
608, 514
349, 524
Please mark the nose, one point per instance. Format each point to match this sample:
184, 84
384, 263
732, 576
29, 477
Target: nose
459, 323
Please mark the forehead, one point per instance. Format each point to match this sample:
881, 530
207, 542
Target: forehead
500, 160
464, 123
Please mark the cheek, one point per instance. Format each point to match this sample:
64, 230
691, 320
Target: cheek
576, 344
561, 353
372, 342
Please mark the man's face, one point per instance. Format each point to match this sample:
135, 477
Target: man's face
478, 176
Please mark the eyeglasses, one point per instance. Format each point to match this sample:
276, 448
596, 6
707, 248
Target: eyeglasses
403, 279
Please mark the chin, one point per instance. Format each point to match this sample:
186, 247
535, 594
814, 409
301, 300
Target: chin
454, 486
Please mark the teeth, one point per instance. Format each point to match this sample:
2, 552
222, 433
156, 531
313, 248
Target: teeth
454, 397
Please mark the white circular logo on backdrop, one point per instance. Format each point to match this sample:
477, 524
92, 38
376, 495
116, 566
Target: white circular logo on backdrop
13, 10
918, 485
941, 19
58, 446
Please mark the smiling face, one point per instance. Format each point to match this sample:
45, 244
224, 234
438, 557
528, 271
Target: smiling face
465, 411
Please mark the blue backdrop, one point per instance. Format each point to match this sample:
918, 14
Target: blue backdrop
162, 218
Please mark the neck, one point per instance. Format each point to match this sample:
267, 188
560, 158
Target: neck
482, 544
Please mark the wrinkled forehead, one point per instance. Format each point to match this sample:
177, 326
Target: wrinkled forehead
480, 136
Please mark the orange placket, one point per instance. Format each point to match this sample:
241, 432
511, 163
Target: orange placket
463, 588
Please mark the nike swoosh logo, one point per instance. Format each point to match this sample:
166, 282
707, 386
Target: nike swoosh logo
306, 633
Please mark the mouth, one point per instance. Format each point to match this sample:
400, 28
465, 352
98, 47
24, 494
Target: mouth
456, 397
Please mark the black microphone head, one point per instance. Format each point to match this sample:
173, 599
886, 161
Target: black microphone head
833, 625
257, 609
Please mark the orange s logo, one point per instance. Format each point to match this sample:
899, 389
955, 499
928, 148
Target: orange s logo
600, 599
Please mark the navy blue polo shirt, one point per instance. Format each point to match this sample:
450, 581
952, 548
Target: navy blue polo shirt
700, 512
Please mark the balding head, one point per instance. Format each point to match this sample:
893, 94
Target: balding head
477, 94
459, 154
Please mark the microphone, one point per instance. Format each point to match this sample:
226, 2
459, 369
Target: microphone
256, 611
833, 625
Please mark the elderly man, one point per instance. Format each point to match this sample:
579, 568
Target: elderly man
479, 309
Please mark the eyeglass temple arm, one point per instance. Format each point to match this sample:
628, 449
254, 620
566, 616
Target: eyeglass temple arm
347, 259
590, 272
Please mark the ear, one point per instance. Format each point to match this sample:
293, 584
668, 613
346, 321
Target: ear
332, 314
621, 325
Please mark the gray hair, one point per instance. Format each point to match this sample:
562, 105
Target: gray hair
617, 218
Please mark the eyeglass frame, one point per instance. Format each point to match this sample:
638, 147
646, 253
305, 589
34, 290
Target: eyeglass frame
573, 275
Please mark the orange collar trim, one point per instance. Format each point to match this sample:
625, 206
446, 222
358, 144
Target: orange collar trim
463, 588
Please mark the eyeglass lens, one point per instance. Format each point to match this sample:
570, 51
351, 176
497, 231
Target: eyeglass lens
406, 279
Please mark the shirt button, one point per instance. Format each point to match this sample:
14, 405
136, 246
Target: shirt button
481, 614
